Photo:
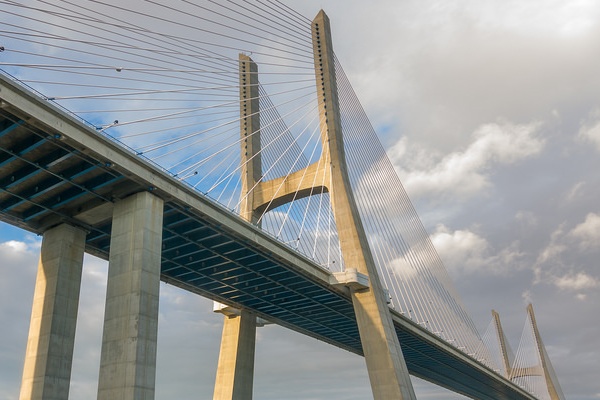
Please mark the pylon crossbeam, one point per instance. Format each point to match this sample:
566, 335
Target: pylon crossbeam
526, 371
268, 195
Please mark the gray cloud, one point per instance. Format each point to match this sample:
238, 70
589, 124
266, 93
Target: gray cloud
464, 173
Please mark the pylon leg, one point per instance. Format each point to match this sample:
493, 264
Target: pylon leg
235, 371
387, 368
49, 355
128, 357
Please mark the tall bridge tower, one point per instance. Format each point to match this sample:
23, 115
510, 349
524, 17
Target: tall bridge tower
386, 366
531, 367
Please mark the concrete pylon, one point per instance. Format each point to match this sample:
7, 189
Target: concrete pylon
506, 364
128, 357
385, 363
547, 371
49, 355
251, 165
235, 370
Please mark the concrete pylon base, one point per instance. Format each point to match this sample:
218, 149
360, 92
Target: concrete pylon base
387, 369
235, 371
47, 369
128, 358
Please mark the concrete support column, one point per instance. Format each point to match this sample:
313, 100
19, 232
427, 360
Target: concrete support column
128, 358
387, 368
47, 370
235, 371
250, 160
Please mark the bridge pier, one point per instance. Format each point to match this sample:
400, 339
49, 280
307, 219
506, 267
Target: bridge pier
128, 357
235, 371
49, 354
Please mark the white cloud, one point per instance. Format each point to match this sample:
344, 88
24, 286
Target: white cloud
18, 248
464, 251
461, 249
576, 282
402, 268
587, 234
465, 173
559, 265
553, 250
15, 246
590, 129
576, 191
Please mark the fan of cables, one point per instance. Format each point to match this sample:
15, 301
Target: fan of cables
163, 79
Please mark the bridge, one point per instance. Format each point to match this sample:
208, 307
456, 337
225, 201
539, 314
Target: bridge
333, 275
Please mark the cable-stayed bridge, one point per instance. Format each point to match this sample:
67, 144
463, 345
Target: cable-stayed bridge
199, 148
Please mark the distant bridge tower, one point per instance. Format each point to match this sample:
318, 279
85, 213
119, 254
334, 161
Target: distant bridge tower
505, 355
531, 368
386, 366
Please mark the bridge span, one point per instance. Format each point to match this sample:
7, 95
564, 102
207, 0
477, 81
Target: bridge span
55, 169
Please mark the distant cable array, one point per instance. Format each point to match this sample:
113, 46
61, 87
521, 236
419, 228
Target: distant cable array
531, 362
495, 341
530, 367
163, 78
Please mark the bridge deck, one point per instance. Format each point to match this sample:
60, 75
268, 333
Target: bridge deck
55, 168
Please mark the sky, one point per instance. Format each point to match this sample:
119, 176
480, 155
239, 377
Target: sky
490, 112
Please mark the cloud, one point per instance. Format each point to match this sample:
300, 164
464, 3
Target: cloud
466, 173
460, 249
576, 282
526, 218
559, 265
588, 232
466, 63
590, 128
14, 249
464, 251
576, 191
15, 245
554, 249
